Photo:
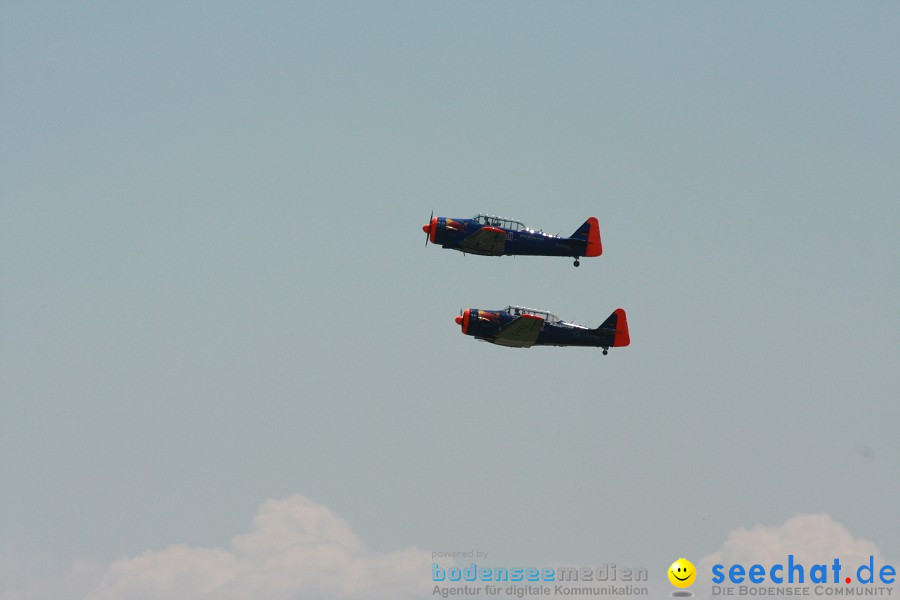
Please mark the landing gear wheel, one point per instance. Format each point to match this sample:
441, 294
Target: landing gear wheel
605, 352
577, 262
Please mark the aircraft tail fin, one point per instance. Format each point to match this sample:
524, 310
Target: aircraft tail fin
590, 233
616, 325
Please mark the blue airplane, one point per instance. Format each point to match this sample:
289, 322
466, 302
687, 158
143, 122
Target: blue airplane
521, 327
495, 236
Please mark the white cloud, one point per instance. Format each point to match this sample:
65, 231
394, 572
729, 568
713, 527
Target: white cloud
295, 548
810, 538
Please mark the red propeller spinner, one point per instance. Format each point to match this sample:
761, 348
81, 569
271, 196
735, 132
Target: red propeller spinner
463, 320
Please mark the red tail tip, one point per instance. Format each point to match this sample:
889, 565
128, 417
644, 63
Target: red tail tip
622, 337
594, 246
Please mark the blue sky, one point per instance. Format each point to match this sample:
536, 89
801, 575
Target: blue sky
215, 291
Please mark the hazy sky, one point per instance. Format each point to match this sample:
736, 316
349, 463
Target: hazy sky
215, 294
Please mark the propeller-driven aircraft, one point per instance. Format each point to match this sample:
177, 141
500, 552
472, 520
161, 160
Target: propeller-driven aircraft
520, 327
495, 236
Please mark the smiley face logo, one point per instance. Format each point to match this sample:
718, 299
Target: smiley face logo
682, 573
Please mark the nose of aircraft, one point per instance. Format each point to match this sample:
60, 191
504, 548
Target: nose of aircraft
463, 320
430, 228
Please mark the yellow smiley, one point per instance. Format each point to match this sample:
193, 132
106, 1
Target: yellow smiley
682, 573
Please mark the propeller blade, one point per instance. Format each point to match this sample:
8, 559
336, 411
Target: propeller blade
428, 230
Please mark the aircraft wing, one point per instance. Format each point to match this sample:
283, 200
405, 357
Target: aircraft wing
521, 332
487, 240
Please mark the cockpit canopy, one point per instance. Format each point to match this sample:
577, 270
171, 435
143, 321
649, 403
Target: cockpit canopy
516, 311
499, 222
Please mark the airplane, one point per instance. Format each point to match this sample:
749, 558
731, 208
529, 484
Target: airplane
494, 236
520, 327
